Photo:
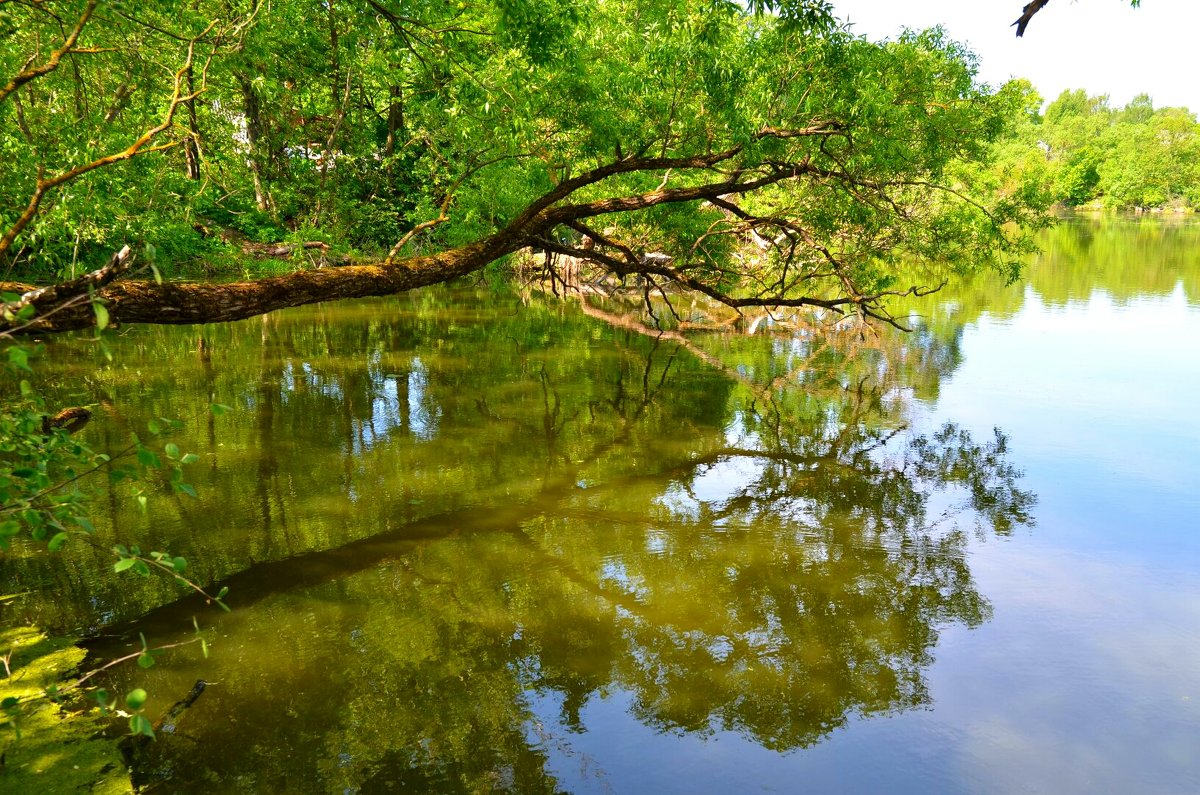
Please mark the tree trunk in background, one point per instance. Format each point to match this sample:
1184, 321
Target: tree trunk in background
335, 71
395, 121
191, 147
252, 108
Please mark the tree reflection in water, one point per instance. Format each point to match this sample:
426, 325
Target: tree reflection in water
737, 534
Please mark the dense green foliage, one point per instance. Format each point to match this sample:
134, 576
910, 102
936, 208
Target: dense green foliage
357, 122
1085, 152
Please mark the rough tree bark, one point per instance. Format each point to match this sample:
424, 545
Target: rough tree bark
138, 301
395, 121
191, 146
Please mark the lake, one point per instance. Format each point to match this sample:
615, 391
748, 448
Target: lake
480, 541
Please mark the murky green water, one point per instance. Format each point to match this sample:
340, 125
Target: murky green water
478, 544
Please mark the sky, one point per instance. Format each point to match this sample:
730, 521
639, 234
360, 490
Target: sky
1102, 46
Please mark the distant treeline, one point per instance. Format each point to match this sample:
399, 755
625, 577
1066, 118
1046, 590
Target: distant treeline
1082, 151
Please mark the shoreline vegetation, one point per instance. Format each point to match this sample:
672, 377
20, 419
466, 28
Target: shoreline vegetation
255, 145
1079, 154
1083, 153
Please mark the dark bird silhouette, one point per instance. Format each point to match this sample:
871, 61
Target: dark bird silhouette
1027, 13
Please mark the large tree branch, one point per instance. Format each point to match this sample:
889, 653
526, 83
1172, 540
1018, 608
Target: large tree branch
632, 203
88, 282
182, 303
149, 302
635, 164
1027, 13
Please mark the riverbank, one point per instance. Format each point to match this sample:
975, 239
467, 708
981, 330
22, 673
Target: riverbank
47, 746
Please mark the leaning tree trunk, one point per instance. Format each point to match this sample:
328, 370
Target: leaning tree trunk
171, 303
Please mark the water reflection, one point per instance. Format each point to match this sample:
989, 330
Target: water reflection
439, 511
1123, 258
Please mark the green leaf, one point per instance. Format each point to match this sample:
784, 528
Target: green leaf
26, 388
19, 358
122, 565
154, 427
145, 660
139, 724
190, 458
219, 409
172, 450
57, 542
101, 315
187, 489
136, 699
148, 458
179, 564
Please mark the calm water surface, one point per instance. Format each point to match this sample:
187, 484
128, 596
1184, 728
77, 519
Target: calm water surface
476, 543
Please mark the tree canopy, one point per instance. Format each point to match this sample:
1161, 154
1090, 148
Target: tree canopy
761, 159
1135, 156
